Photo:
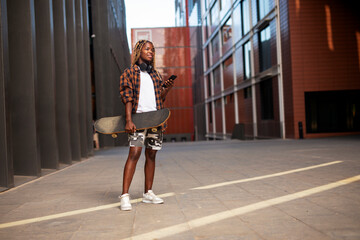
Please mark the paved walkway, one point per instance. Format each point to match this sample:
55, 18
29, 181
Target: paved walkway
265, 189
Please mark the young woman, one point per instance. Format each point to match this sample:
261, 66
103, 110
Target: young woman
142, 90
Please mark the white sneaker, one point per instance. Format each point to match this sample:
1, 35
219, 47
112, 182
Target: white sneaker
150, 197
125, 204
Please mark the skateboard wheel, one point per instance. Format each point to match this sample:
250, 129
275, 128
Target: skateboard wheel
114, 135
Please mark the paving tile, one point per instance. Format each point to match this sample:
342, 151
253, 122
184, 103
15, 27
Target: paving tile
94, 185
98, 235
273, 224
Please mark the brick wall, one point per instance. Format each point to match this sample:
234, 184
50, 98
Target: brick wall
324, 53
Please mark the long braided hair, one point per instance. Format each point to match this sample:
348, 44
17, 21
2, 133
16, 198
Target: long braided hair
137, 51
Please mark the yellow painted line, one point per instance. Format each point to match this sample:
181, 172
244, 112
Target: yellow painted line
199, 222
71, 213
265, 176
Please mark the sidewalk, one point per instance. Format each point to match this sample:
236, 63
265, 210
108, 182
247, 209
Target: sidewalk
263, 189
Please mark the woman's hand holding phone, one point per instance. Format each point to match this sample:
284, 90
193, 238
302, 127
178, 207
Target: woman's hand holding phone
170, 81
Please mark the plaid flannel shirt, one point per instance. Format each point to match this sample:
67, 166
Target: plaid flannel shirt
130, 87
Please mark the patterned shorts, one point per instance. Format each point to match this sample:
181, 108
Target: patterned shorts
150, 138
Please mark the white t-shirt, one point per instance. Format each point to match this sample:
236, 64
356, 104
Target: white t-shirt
147, 100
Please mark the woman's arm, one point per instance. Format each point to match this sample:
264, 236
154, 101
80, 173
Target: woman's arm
126, 91
129, 126
166, 88
126, 94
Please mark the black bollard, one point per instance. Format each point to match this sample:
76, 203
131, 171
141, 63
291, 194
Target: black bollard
301, 133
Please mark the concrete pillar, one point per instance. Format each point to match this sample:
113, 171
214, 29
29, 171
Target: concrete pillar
87, 76
22, 58
61, 82
6, 164
81, 76
45, 85
102, 70
73, 81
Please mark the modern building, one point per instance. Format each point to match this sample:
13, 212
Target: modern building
55, 80
274, 68
110, 55
173, 58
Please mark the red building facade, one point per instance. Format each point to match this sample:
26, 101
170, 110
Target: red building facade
322, 72
276, 68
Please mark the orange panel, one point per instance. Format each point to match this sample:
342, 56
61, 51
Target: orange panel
180, 121
218, 116
183, 79
173, 57
179, 97
230, 113
162, 37
228, 73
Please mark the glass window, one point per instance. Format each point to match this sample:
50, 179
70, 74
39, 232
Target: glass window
245, 16
225, 5
210, 113
218, 115
214, 13
237, 23
229, 98
266, 96
218, 103
177, 17
205, 28
203, 3
217, 76
247, 60
228, 62
226, 31
217, 80
263, 8
215, 47
209, 85
228, 72
247, 92
239, 66
207, 58
265, 49
208, 26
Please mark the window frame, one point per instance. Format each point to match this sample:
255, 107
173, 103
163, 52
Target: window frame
265, 60
245, 15
267, 99
245, 67
263, 8
229, 30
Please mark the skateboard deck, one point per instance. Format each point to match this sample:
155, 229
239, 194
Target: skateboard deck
116, 124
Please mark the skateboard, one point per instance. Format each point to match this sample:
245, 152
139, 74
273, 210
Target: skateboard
116, 124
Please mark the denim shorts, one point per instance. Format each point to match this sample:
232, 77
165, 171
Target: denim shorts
150, 138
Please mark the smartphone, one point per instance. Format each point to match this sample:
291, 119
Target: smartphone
172, 77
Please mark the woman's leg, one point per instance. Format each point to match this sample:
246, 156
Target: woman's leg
149, 168
130, 166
